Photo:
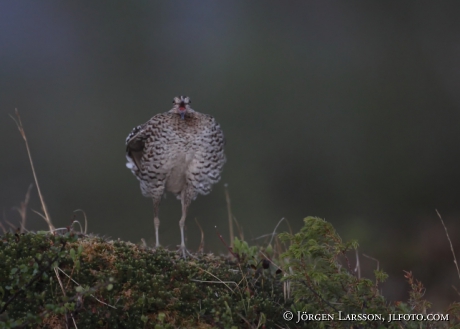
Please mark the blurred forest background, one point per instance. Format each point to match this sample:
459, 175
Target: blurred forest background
349, 111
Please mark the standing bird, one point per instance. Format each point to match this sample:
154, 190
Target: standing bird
180, 151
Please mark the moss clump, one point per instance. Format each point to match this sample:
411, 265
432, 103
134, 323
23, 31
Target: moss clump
116, 284
51, 281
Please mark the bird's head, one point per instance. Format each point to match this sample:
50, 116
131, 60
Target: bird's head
181, 106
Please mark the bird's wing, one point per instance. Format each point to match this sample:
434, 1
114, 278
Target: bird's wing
135, 147
209, 157
148, 153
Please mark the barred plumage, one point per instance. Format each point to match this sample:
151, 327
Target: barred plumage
180, 151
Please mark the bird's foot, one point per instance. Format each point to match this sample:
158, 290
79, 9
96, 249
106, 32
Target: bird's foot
184, 252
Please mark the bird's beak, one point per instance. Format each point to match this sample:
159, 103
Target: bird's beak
182, 110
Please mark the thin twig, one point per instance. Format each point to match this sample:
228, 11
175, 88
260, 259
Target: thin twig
206, 281
450, 242
100, 301
230, 249
23, 134
219, 280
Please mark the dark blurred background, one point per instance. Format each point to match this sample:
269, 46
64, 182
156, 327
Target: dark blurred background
349, 111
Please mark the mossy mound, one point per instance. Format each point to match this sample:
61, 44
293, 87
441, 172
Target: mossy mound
114, 284
304, 281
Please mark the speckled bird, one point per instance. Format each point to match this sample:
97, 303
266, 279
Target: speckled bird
179, 151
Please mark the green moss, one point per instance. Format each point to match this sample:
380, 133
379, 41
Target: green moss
145, 288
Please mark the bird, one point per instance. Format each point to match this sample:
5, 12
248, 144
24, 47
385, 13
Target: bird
179, 151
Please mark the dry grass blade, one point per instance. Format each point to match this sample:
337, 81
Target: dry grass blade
201, 247
358, 265
42, 216
63, 292
22, 210
77, 222
230, 217
272, 235
10, 224
268, 258
3, 228
23, 134
239, 228
86, 220
274, 231
374, 259
450, 242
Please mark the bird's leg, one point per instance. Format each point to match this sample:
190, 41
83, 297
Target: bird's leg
185, 203
156, 220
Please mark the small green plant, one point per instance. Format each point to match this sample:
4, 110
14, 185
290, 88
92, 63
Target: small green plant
322, 281
244, 252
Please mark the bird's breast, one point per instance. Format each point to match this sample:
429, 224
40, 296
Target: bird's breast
177, 177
